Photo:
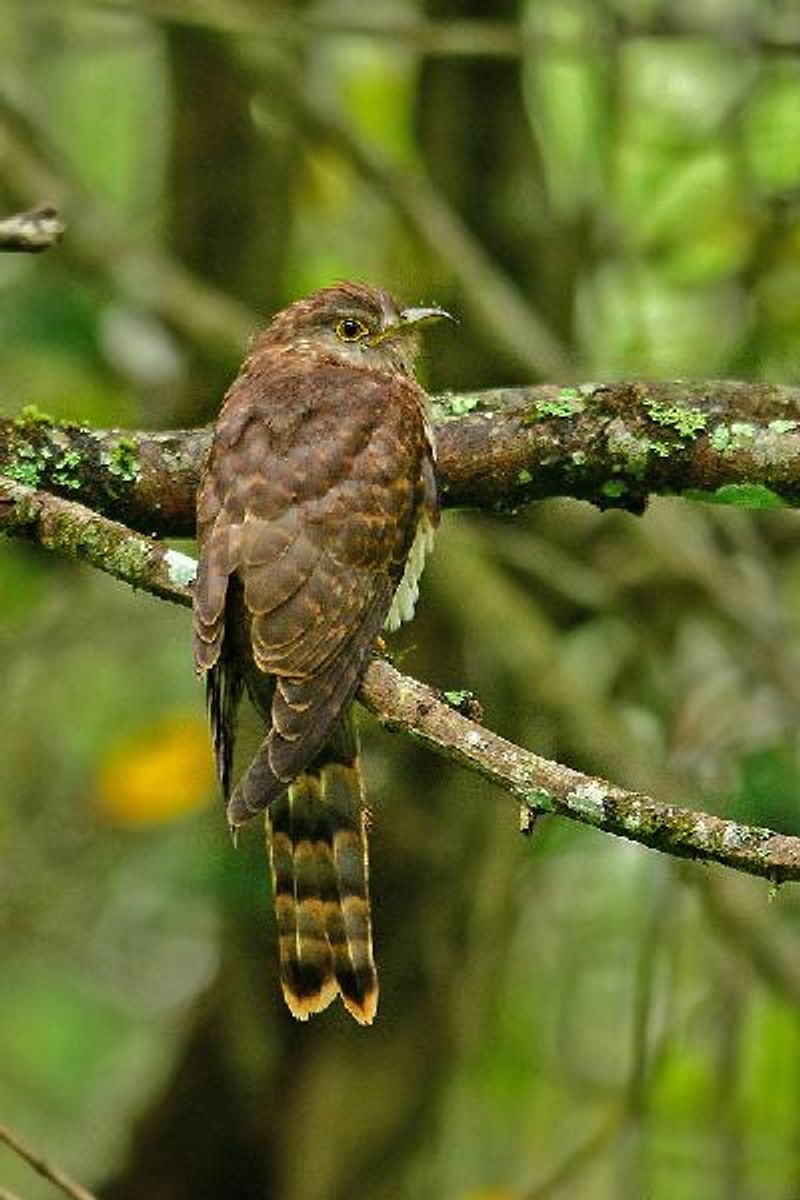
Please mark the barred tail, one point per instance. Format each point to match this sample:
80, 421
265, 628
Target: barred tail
300, 856
347, 913
318, 850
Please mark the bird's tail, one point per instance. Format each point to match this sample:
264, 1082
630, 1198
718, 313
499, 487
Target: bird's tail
318, 852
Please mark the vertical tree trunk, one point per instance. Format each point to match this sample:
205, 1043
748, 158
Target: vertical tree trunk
465, 139
230, 177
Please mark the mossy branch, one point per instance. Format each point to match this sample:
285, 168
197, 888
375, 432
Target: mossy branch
613, 444
77, 532
543, 786
402, 703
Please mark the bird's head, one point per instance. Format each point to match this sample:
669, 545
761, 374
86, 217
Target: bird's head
361, 325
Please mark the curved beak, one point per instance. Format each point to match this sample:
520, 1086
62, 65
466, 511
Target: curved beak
410, 320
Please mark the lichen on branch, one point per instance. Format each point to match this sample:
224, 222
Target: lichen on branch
72, 530
146, 480
616, 444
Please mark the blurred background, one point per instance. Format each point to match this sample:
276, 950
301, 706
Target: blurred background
600, 188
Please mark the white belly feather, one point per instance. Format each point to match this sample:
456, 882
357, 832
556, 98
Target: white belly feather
407, 594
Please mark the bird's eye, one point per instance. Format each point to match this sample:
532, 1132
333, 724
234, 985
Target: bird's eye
351, 330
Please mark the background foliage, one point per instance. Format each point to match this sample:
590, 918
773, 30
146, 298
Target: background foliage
600, 188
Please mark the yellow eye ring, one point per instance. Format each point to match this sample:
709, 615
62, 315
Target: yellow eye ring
350, 329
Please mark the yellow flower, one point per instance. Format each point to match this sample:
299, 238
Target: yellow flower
158, 774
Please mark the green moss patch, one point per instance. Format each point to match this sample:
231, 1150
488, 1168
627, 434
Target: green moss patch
568, 403
123, 460
65, 474
687, 422
27, 464
741, 495
448, 407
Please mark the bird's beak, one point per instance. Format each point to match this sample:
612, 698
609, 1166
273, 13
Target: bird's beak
420, 316
411, 319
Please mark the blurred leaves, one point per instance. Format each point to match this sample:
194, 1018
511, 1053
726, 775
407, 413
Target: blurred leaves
771, 129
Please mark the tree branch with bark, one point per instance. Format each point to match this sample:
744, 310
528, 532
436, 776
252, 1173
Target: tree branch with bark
612, 444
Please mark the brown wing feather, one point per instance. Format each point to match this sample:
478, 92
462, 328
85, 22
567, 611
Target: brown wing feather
305, 708
219, 540
311, 496
212, 576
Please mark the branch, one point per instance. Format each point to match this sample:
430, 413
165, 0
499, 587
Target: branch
596, 1143
47, 1169
402, 703
461, 38
77, 532
207, 316
32, 231
612, 444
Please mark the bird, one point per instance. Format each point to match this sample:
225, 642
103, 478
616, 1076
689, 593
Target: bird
316, 508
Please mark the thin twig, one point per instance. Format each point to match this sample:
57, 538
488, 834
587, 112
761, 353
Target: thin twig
402, 703
595, 1143
753, 930
32, 231
615, 1124
207, 316
460, 38
47, 1169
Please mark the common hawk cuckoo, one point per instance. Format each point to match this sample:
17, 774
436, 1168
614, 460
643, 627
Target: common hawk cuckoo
316, 508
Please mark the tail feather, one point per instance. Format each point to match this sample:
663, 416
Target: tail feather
348, 920
318, 851
297, 848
